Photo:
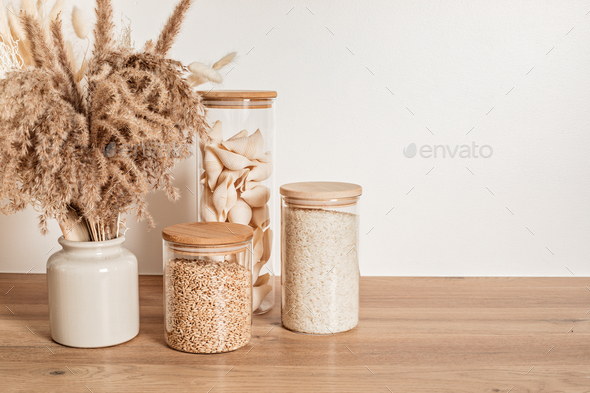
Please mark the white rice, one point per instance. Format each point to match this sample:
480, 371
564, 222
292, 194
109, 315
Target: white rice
320, 273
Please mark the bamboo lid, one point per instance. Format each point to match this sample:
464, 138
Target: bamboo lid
235, 95
320, 190
207, 233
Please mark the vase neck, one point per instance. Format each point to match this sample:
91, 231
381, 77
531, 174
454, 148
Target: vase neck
98, 249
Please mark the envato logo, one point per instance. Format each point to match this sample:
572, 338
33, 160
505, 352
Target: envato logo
146, 150
444, 151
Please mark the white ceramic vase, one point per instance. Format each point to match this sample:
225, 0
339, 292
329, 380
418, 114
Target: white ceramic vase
93, 293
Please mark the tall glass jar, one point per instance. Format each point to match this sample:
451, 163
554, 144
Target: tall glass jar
236, 176
207, 286
319, 254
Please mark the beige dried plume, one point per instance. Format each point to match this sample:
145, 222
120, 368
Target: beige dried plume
202, 73
4, 28
225, 60
56, 9
80, 26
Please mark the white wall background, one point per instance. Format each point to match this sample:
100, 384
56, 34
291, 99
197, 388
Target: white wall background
359, 82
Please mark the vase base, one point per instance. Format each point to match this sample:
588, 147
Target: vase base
106, 344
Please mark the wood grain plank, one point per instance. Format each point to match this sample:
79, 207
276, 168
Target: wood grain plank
415, 334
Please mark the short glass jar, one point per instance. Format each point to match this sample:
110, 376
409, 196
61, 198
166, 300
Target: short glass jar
207, 286
319, 253
236, 175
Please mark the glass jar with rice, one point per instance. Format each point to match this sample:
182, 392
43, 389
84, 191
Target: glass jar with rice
319, 256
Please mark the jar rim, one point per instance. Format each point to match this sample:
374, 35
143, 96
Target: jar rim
306, 203
207, 250
91, 244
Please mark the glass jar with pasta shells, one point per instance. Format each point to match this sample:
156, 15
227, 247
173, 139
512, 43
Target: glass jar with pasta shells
236, 176
319, 254
207, 286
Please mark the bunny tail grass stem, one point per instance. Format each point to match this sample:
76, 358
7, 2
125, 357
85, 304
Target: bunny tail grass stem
172, 28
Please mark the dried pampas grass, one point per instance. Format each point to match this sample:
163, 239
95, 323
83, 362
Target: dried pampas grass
84, 154
172, 28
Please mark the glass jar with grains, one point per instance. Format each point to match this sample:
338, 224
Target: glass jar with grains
207, 286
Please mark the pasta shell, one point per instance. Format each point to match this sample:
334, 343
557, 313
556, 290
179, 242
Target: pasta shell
213, 167
231, 160
216, 133
224, 198
242, 260
241, 134
262, 280
231, 258
232, 198
225, 174
241, 213
257, 196
241, 180
238, 146
249, 147
207, 208
220, 198
262, 169
267, 245
248, 185
258, 295
257, 245
228, 177
266, 157
260, 217
256, 271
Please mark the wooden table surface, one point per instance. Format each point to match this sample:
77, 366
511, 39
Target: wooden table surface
415, 335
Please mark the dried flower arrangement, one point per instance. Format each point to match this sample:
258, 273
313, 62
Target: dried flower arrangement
84, 144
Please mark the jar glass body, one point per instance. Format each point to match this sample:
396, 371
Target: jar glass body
207, 296
93, 294
237, 182
319, 264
